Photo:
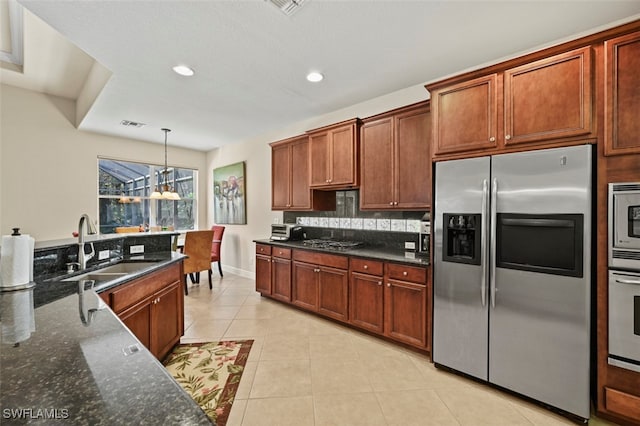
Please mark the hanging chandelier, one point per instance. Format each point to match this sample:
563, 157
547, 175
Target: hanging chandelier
167, 192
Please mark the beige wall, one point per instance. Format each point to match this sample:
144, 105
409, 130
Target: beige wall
238, 249
48, 168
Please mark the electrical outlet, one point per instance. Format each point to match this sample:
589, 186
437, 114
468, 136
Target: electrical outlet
136, 249
103, 254
409, 245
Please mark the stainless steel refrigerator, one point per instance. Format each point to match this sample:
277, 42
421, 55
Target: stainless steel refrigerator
512, 272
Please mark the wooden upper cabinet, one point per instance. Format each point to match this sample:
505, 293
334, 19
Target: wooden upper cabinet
333, 156
290, 178
548, 102
395, 160
465, 116
549, 99
280, 177
622, 95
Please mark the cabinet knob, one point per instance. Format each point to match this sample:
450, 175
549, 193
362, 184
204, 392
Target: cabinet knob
492, 139
326, 181
507, 137
390, 203
366, 266
280, 252
395, 203
388, 284
379, 282
405, 273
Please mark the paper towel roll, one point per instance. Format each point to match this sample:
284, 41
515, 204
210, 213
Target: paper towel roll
16, 260
18, 319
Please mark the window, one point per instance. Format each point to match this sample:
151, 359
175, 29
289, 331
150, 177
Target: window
124, 190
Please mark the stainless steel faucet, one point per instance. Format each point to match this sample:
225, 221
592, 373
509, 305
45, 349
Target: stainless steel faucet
91, 230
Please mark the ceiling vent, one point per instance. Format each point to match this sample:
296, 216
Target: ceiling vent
288, 7
131, 123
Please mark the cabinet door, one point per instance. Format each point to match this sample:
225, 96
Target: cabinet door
304, 291
406, 312
281, 279
412, 160
167, 324
280, 177
263, 274
342, 170
366, 297
300, 192
319, 159
137, 318
333, 293
376, 164
548, 99
622, 95
465, 116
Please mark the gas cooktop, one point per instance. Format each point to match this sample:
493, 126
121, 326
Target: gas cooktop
332, 244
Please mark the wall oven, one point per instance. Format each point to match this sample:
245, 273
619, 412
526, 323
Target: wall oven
624, 225
624, 275
624, 319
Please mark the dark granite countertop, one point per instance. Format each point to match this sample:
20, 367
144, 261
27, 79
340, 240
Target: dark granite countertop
369, 252
85, 369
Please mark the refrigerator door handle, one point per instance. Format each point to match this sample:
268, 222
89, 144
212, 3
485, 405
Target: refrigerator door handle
483, 241
492, 251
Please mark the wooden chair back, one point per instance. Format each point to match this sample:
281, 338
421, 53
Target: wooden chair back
197, 245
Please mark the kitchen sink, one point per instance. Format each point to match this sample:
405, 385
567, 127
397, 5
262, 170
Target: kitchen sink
112, 272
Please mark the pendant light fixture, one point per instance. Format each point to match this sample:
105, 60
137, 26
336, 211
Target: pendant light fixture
167, 192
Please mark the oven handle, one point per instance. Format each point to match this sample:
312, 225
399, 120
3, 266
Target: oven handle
623, 281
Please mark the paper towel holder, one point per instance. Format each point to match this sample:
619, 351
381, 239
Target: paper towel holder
16, 232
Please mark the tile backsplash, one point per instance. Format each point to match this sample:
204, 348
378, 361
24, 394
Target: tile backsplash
348, 216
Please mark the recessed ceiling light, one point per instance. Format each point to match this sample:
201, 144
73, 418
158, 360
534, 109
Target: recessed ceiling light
183, 70
314, 77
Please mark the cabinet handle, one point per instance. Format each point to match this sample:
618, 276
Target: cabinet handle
507, 137
405, 273
492, 139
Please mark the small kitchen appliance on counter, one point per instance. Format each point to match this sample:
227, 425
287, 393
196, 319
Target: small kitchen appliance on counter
286, 232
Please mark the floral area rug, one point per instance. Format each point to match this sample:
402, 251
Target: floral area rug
210, 373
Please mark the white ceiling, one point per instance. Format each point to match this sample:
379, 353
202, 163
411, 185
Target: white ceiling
251, 60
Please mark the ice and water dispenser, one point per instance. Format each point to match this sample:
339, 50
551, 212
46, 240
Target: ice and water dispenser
461, 242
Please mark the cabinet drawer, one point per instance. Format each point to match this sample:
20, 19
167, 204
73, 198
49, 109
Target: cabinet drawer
366, 266
622, 403
141, 288
263, 249
331, 260
407, 273
281, 252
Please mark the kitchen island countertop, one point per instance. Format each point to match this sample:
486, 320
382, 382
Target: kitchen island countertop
87, 369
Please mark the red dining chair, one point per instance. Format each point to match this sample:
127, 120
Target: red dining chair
218, 232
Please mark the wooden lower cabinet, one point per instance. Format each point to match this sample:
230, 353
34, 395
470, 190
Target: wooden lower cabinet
321, 283
263, 274
281, 279
152, 307
406, 312
366, 302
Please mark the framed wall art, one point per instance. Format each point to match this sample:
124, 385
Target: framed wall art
229, 194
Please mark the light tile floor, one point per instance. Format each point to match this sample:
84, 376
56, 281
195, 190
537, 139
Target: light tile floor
304, 370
